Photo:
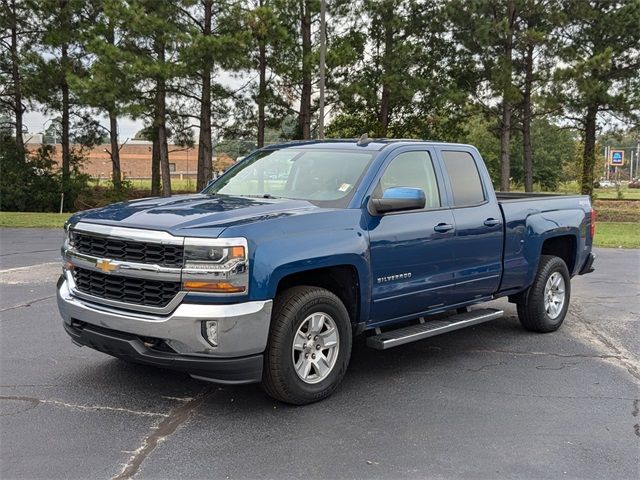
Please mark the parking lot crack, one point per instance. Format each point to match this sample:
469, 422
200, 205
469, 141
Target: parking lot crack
86, 408
547, 354
622, 357
159, 433
483, 367
26, 304
536, 395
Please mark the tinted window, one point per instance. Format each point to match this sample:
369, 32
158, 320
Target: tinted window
413, 169
464, 177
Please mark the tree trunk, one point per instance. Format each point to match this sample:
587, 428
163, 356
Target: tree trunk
204, 141
526, 121
18, 109
505, 134
163, 144
385, 100
262, 90
66, 148
155, 165
322, 68
163, 149
589, 157
505, 127
161, 122
116, 174
304, 118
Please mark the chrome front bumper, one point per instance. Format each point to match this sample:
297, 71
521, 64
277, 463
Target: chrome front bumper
243, 328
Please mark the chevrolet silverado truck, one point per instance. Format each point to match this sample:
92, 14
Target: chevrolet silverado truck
269, 273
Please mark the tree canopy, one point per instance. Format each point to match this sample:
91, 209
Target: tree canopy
524, 80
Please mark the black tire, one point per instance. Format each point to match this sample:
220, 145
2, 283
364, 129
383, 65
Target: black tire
279, 378
531, 311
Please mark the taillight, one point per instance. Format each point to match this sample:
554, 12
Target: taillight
593, 223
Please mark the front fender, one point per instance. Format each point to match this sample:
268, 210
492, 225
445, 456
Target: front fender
327, 249
285, 246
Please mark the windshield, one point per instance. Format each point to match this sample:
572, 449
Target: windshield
314, 175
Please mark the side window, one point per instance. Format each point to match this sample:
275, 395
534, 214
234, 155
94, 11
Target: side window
464, 177
413, 169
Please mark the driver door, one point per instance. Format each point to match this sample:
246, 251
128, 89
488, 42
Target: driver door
411, 259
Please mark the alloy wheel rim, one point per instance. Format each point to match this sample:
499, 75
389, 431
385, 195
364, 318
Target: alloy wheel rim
554, 295
315, 348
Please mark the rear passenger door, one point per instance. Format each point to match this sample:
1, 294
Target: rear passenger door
477, 243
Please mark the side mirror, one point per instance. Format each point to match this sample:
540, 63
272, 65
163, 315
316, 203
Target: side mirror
396, 199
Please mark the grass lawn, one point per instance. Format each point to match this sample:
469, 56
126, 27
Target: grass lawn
33, 219
573, 188
177, 185
627, 193
608, 234
617, 234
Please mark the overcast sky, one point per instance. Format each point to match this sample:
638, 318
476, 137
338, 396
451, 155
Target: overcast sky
128, 127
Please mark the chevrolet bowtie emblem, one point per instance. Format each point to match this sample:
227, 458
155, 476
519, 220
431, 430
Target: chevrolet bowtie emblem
106, 266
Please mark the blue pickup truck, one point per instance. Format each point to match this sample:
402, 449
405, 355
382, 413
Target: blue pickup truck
268, 274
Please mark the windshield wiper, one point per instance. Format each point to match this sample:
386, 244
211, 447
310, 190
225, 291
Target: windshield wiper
264, 195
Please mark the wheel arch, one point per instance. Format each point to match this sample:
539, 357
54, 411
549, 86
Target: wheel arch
341, 280
564, 247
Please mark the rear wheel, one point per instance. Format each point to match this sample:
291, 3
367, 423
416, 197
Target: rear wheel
546, 303
309, 346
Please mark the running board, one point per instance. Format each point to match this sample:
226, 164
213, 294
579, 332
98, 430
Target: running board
400, 336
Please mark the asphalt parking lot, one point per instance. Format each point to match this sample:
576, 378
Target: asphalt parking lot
492, 401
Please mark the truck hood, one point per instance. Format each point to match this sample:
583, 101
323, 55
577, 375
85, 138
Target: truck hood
201, 215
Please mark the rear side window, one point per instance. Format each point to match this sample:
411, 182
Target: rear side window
413, 169
464, 178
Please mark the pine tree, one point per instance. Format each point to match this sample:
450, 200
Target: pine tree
294, 62
267, 35
392, 71
600, 46
107, 84
487, 31
16, 59
217, 40
534, 52
150, 33
61, 55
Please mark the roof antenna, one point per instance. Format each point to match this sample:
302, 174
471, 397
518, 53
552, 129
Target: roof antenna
363, 140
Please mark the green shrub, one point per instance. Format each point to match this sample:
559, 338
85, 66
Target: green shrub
34, 184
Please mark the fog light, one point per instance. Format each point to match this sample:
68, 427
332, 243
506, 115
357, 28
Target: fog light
211, 332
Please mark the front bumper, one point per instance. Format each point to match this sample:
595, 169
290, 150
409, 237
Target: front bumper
174, 341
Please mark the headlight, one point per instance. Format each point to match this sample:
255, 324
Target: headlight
216, 266
68, 237
67, 245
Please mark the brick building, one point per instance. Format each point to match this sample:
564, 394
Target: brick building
135, 160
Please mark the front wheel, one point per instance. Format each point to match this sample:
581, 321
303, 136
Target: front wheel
546, 303
309, 346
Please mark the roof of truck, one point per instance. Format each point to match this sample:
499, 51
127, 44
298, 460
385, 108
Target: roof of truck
374, 144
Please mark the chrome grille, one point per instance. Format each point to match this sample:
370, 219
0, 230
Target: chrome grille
152, 293
128, 250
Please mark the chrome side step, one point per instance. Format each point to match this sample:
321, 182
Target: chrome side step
400, 336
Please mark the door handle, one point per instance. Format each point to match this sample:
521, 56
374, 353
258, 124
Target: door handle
443, 227
491, 222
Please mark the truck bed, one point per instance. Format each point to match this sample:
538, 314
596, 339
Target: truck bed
529, 218
504, 197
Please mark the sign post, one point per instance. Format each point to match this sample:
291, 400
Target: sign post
616, 158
